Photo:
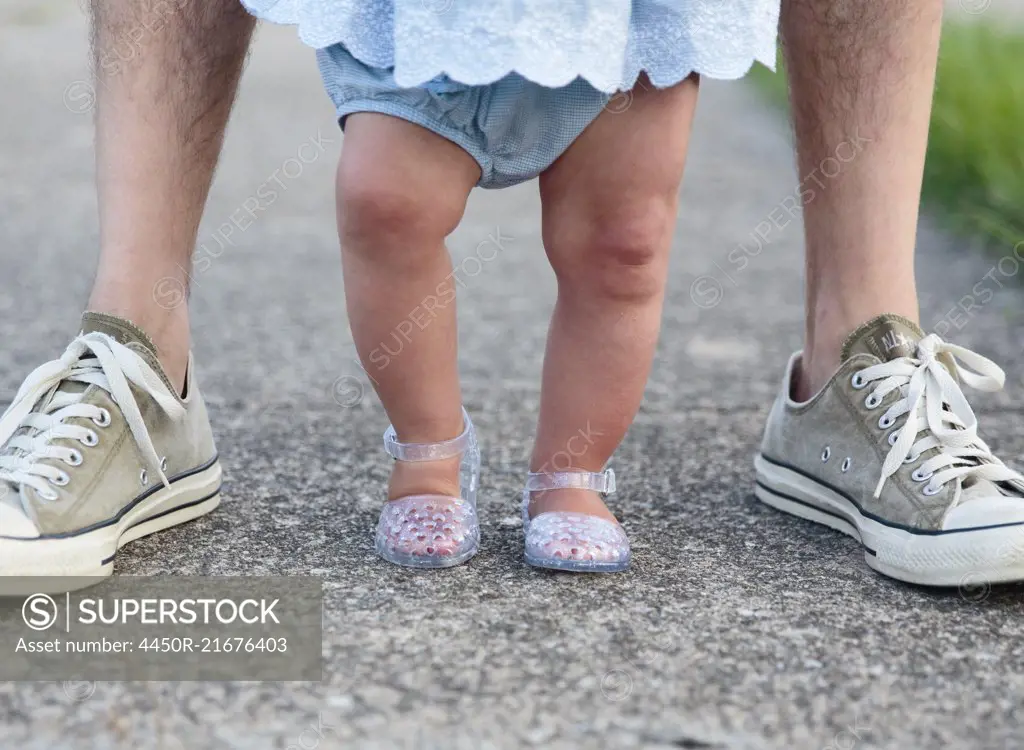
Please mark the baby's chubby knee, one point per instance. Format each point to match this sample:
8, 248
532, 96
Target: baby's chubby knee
619, 255
380, 208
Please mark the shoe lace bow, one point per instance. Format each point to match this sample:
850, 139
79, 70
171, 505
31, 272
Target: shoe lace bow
938, 414
92, 359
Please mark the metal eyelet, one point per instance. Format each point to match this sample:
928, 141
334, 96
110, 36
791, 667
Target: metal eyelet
75, 459
872, 401
104, 419
846, 465
929, 490
826, 454
858, 381
60, 480
51, 496
919, 476
90, 440
912, 458
893, 437
885, 422
163, 464
144, 478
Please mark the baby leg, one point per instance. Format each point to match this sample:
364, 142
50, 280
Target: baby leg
609, 211
401, 190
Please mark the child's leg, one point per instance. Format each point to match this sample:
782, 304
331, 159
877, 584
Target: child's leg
609, 214
401, 190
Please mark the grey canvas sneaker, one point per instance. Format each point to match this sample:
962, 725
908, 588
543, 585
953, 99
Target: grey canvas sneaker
96, 450
889, 453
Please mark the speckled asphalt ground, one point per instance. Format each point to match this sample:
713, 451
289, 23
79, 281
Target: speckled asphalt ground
737, 627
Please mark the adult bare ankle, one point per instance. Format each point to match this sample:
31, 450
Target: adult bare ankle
173, 351
817, 365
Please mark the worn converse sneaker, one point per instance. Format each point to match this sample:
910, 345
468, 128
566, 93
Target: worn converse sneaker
96, 450
889, 453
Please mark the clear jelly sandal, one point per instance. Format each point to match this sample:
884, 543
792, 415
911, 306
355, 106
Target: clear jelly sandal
573, 541
433, 531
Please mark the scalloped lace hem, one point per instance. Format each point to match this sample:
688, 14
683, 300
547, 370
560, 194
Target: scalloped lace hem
608, 44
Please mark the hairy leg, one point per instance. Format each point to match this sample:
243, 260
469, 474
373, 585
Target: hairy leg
861, 78
167, 72
401, 191
609, 211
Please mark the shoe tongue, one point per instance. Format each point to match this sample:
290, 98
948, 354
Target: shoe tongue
887, 337
124, 332
121, 330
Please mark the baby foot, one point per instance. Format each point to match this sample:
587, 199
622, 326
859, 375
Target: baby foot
439, 477
426, 523
570, 528
421, 527
586, 502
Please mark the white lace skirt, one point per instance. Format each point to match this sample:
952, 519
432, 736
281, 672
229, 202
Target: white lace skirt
551, 42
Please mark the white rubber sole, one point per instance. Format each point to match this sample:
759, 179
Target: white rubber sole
966, 558
89, 553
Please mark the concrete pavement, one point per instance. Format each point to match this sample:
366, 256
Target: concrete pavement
737, 628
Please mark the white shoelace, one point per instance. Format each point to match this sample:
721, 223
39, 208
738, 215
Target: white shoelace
112, 367
935, 406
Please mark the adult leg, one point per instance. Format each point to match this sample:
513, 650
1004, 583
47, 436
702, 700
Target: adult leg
166, 76
167, 73
939, 509
861, 78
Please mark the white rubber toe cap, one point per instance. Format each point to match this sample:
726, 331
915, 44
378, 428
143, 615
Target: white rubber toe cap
996, 510
14, 522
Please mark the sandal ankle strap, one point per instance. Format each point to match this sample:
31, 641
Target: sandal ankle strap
578, 480
429, 451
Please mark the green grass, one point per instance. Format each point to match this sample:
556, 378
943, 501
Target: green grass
772, 84
974, 174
